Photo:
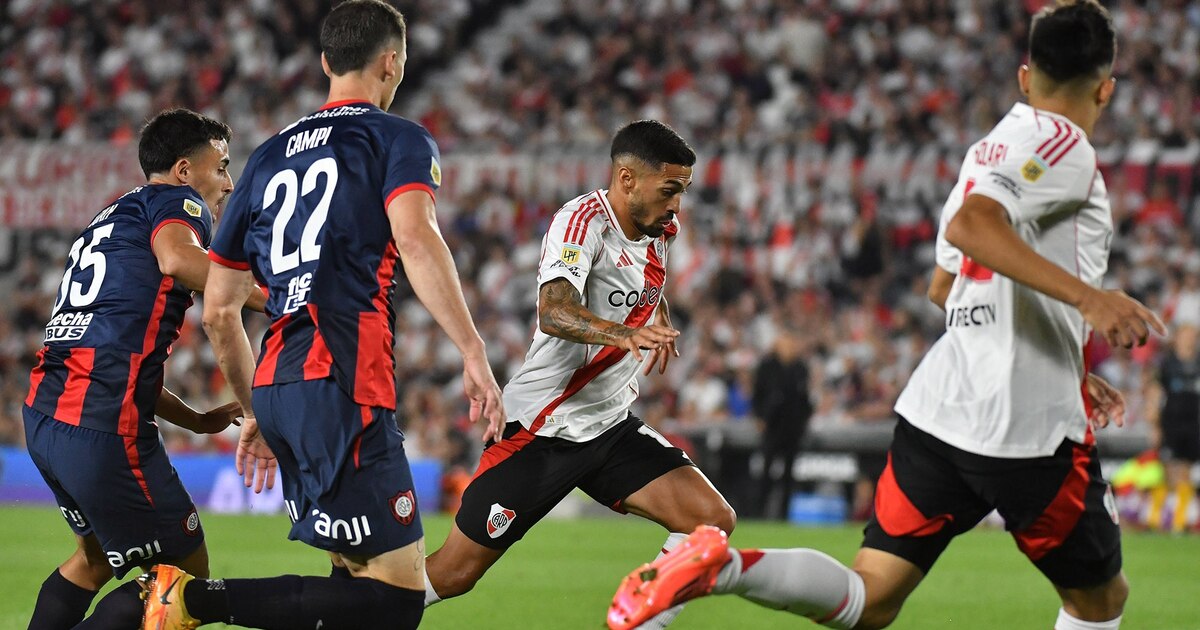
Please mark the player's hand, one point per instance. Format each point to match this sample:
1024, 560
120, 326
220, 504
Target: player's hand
254, 460
1120, 319
1108, 405
215, 420
481, 389
661, 356
650, 337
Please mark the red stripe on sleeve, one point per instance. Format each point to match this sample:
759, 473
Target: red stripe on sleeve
1067, 150
79, 377
1051, 150
162, 225
1058, 131
405, 188
225, 262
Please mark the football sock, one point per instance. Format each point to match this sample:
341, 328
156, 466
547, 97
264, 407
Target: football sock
804, 582
1158, 501
431, 596
60, 604
122, 608
664, 618
1184, 495
291, 601
1067, 622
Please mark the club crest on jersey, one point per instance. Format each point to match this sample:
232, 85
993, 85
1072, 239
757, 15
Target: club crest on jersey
191, 524
1033, 169
192, 208
570, 254
435, 171
404, 507
499, 520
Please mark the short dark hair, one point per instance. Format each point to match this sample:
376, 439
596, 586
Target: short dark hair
1073, 40
653, 143
174, 134
356, 30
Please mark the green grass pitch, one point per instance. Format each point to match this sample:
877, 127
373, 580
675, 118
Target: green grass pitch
564, 572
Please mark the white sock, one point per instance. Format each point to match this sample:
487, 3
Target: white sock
431, 596
664, 618
1067, 622
804, 582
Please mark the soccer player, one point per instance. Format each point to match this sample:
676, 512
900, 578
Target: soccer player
600, 304
1000, 413
1179, 428
324, 211
93, 396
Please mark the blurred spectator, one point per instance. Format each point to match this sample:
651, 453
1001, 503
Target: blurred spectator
782, 404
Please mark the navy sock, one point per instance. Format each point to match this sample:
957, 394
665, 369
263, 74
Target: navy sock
292, 601
119, 610
60, 604
339, 572
207, 600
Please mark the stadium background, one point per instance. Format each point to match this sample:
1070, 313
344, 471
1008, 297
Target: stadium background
829, 133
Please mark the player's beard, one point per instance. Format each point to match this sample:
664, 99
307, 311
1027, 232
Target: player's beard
650, 226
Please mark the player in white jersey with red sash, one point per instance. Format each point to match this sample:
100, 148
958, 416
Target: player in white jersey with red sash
999, 414
600, 307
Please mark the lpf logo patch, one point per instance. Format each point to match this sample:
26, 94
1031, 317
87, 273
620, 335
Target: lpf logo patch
192, 208
1033, 169
191, 524
570, 254
404, 507
499, 520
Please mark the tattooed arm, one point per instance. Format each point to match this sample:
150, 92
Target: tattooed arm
561, 314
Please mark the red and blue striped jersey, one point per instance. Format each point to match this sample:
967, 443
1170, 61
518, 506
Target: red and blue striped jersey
309, 220
116, 315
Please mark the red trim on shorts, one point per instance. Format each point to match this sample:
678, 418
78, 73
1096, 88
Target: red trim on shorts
36, 376
400, 190
79, 370
366, 422
225, 262
264, 374
1059, 518
179, 221
135, 466
340, 103
500, 451
750, 557
896, 513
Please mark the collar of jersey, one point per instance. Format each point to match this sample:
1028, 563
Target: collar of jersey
349, 101
1058, 117
611, 215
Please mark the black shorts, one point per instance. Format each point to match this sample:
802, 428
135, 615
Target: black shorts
523, 477
1180, 433
1059, 509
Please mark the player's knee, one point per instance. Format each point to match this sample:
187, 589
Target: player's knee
722, 515
454, 581
1111, 600
880, 615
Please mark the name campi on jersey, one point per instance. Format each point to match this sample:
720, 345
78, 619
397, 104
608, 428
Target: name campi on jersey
307, 139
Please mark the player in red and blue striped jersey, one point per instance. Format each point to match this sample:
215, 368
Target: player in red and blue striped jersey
324, 211
98, 384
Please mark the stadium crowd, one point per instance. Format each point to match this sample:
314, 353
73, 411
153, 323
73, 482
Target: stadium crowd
829, 133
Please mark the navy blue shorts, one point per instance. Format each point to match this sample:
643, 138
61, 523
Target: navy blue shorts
346, 480
123, 490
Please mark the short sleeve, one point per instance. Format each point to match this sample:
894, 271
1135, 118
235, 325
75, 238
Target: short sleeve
229, 244
413, 163
571, 244
182, 205
1037, 177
